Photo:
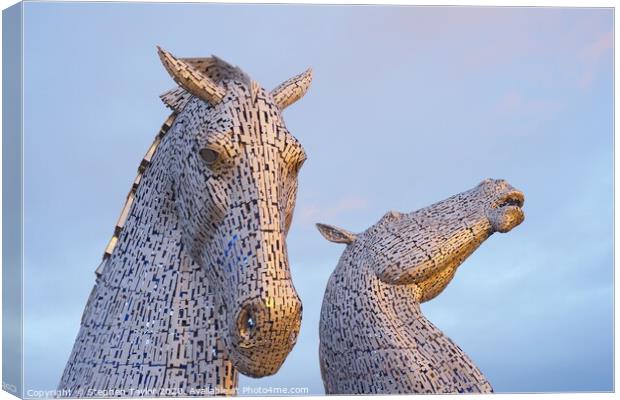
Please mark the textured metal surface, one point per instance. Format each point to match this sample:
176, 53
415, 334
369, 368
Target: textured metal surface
373, 335
195, 283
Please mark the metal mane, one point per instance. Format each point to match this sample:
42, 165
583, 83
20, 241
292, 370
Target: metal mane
131, 196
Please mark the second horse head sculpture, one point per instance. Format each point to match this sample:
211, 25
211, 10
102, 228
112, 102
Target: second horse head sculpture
373, 335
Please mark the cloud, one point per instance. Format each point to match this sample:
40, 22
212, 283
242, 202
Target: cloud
312, 213
592, 56
508, 47
514, 103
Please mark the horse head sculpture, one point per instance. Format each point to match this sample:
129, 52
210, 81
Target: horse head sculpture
195, 283
235, 169
373, 335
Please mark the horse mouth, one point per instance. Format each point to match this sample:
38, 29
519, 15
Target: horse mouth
511, 199
506, 212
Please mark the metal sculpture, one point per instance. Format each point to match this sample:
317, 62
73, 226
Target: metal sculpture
195, 283
373, 335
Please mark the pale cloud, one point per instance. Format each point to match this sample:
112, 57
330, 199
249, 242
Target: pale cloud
313, 213
430, 24
592, 55
515, 103
510, 45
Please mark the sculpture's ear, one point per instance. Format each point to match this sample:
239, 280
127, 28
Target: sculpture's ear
292, 89
336, 235
191, 79
176, 99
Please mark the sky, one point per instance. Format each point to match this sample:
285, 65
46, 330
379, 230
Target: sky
409, 105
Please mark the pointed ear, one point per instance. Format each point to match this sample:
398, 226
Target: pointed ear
176, 99
292, 90
336, 235
190, 79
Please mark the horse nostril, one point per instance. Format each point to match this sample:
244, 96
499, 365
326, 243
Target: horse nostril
250, 323
246, 323
513, 198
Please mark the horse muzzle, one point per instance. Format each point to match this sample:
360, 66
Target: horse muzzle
263, 332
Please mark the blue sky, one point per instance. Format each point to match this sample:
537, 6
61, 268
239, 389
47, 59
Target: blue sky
409, 105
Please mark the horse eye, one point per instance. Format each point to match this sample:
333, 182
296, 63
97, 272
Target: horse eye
209, 156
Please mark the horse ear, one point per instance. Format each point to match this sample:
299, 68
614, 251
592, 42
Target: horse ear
176, 99
336, 235
292, 90
190, 79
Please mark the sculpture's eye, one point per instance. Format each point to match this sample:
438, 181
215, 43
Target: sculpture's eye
209, 156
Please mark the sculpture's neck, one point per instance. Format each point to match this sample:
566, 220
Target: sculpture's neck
151, 321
